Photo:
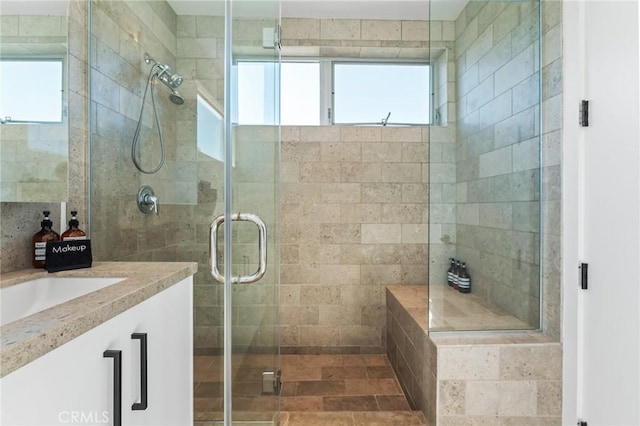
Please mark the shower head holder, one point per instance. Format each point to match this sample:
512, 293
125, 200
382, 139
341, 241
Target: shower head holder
164, 73
148, 59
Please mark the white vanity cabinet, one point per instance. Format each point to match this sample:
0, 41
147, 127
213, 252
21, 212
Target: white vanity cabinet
74, 384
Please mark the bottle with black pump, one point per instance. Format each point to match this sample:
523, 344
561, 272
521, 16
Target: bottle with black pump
464, 282
452, 267
456, 275
40, 240
74, 233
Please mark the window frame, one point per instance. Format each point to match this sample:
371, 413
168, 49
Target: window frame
62, 59
327, 82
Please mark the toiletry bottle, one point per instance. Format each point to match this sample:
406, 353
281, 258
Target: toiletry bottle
456, 274
464, 282
452, 266
40, 240
74, 233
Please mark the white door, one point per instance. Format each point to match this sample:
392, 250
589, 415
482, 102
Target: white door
602, 213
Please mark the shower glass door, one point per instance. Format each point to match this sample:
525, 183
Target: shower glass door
251, 195
161, 95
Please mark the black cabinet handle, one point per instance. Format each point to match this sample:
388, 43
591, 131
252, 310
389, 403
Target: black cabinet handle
142, 405
117, 384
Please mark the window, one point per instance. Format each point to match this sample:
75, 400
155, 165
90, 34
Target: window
31, 90
256, 93
381, 93
300, 93
324, 91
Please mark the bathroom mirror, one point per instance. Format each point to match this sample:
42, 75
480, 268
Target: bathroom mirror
34, 130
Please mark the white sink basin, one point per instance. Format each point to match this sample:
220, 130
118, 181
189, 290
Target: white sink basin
24, 299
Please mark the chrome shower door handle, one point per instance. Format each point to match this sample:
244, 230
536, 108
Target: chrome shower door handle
262, 247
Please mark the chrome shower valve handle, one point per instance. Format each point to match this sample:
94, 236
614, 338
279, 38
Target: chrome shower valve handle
147, 200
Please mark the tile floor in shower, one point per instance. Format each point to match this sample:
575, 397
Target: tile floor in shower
316, 390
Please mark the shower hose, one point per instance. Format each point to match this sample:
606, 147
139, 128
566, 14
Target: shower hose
136, 135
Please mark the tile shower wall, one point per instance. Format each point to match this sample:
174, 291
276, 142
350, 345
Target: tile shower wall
355, 199
354, 219
353, 38
122, 32
497, 158
508, 382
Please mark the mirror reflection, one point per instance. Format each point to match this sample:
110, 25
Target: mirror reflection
33, 102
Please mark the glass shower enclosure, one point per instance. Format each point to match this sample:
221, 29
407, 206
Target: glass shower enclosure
211, 169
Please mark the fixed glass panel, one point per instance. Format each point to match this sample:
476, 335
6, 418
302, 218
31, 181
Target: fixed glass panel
485, 190
381, 93
31, 90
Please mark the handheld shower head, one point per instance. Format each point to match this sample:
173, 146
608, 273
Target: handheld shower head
176, 97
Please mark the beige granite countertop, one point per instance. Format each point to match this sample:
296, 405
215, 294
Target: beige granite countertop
27, 339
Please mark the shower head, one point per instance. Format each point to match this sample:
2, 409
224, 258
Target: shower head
176, 98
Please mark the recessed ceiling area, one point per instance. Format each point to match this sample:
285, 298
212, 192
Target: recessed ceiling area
445, 10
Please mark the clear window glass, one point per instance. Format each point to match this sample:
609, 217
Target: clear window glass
255, 93
381, 93
300, 93
32, 90
366, 93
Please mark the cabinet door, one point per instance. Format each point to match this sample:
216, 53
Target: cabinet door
166, 319
72, 384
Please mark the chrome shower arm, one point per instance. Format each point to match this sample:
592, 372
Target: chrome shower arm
148, 59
